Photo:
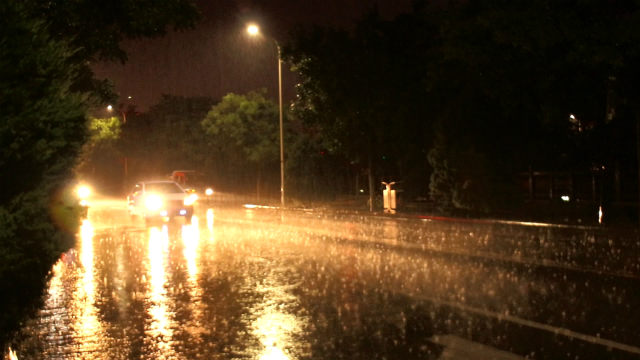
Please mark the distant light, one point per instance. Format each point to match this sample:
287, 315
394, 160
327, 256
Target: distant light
565, 198
129, 97
572, 117
361, 190
250, 206
208, 192
253, 29
183, 212
109, 107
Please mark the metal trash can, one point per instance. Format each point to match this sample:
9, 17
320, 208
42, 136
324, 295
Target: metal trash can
389, 198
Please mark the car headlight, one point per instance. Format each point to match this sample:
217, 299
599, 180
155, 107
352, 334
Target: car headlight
153, 202
83, 192
189, 200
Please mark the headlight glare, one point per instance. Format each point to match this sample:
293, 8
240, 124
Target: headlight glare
83, 191
153, 202
189, 200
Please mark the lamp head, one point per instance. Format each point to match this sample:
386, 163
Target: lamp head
253, 29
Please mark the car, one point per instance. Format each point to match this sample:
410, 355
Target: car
160, 200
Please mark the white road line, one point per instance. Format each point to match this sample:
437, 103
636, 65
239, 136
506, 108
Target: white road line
536, 325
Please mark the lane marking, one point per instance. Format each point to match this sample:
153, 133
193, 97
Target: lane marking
536, 325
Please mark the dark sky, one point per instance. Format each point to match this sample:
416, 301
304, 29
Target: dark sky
218, 57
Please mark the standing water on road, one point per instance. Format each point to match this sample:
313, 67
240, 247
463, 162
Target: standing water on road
262, 284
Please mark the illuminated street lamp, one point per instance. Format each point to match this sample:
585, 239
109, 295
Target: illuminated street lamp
124, 115
254, 30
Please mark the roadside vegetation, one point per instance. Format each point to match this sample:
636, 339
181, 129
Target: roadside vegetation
47, 90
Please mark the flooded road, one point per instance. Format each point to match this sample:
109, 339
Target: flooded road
263, 284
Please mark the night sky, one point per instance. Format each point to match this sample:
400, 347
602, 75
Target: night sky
218, 57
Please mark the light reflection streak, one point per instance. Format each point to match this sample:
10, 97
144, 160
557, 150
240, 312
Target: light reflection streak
87, 327
274, 326
274, 329
190, 240
191, 252
86, 258
12, 354
160, 328
56, 288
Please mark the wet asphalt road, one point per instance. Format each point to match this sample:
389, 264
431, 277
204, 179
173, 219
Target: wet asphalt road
264, 284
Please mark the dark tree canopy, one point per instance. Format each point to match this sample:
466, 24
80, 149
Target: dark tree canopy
97, 28
46, 89
494, 82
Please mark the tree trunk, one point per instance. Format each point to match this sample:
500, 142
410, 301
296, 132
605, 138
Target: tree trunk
370, 175
638, 159
258, 178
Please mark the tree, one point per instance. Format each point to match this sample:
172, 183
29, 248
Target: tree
46, 87
96, 28
365, 90
522, 68
167, 137
42, 128
96, 161
244, 130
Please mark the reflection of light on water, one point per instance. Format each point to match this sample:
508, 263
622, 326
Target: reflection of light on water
191, 252
88, 327
190, 239
86, 257
56, 290
159, 328
275, 329
274, 326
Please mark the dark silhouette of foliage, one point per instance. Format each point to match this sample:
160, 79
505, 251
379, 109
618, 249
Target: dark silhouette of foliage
167, 137
493, 81
46, 87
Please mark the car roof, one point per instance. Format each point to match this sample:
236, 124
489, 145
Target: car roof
160, 182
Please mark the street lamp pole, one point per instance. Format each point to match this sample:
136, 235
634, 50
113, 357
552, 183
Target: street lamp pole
281, 130
253, 30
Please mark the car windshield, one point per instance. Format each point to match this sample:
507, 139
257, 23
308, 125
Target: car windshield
163, 187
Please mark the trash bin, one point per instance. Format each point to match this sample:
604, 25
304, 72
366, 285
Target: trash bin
389, 198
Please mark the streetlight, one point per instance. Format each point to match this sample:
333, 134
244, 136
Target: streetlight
254, 30
124, 114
